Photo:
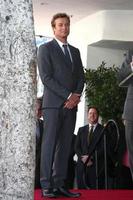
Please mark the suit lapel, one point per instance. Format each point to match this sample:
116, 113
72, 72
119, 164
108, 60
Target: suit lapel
86, 135
58, 49
96, 135
60, 53
73, 57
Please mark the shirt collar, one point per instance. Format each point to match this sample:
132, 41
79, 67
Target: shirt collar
60, 43
94, 125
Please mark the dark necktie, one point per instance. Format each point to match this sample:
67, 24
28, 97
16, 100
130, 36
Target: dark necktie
90, 134
67, 55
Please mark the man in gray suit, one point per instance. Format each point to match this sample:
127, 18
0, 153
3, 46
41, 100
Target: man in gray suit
126, 69
62, 74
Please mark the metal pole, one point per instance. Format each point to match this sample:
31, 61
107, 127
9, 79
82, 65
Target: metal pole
105, 163
96, 166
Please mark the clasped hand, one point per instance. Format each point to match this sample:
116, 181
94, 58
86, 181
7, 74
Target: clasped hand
84, 159
72, 101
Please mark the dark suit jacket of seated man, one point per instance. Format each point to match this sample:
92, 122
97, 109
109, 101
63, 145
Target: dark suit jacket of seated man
86, 176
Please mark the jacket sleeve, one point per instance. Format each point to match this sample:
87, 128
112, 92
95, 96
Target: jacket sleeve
81, 76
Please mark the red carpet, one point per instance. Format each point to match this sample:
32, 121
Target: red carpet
95, 195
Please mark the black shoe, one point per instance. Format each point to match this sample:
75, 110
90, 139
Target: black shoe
49, 193
62, 191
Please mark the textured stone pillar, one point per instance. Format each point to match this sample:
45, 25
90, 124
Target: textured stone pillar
17, 100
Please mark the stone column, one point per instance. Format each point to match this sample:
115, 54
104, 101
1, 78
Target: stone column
17, 100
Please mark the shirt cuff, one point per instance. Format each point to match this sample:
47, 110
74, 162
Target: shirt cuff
69, 95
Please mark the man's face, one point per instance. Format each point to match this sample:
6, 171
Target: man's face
62, 28
92, 116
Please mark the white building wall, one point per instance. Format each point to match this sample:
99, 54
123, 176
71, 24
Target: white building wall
118, 25
95, 56
111, 25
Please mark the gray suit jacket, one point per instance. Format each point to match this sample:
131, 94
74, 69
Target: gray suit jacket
123, 73
58, 79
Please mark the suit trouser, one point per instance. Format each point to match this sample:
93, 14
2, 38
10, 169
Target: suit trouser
129, 140
80, 174
59, 126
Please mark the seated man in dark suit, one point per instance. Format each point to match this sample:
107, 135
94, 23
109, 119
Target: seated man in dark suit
92, 175
39, 132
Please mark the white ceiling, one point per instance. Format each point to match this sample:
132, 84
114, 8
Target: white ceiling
43, 10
